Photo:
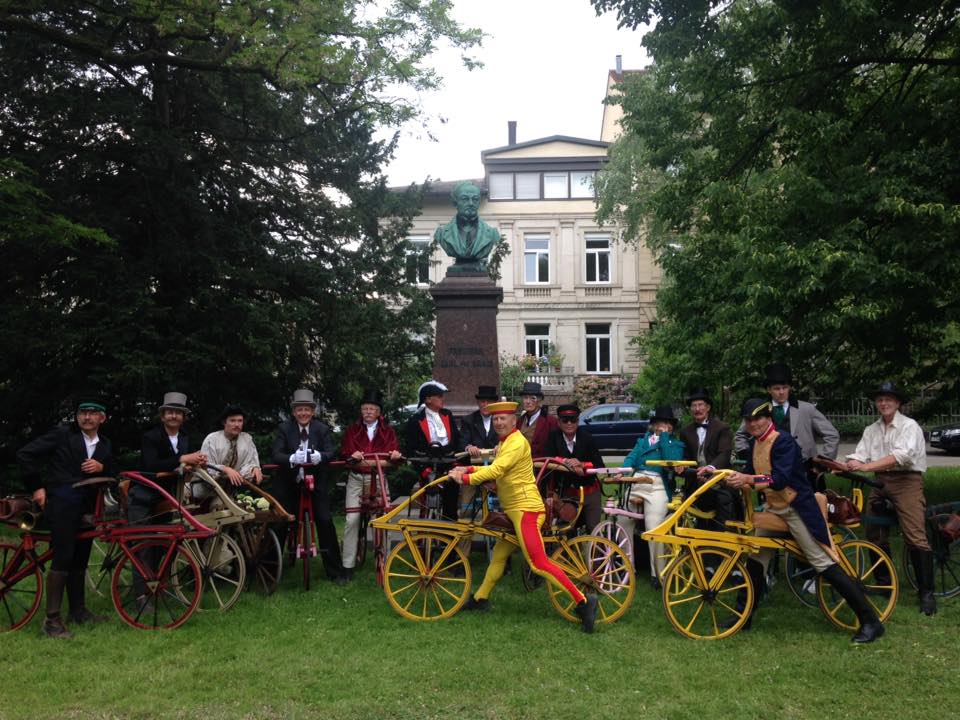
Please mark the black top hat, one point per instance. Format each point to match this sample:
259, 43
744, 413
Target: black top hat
664, 412
888, 388
777, 374
699, 394
756, 407
372, 397
487, 392
532, 388
568, 410
231, 410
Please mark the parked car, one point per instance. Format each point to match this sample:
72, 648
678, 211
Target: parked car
616, 426
946, 437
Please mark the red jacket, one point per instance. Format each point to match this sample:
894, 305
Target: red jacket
541, 432
355, 438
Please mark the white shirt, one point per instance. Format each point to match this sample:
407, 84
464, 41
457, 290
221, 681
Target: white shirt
902, 438
174, 442
438, 431
91, 444
371, 429
304, 444
533, 418
486, 423
571, 442
701, 435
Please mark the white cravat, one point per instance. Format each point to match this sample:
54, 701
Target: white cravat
486, 423
371, 430
438, 431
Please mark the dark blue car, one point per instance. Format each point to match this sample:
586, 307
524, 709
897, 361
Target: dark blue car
616, 426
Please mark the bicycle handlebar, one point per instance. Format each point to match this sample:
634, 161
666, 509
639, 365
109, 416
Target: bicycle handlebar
840, 470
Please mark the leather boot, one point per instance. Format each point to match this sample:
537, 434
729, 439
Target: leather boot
850, 590
923, 568
76, 587
52, 625
586, 610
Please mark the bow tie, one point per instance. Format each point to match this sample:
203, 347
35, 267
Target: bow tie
702, 425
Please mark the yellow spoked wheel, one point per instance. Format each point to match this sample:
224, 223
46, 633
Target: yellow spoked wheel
427, 577
707, 594
595, 565
868, 564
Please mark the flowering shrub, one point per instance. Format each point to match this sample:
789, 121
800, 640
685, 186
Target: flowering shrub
593, 389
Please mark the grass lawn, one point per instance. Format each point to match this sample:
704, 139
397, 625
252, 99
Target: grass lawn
342, 653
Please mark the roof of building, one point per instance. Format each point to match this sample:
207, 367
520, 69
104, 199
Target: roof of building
545, 141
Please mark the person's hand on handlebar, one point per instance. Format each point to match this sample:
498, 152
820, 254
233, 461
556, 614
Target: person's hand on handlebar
456, 474
573, 465
306, 457
705, 470
738, 480
854, 465
357, 455
395, 456
472, 450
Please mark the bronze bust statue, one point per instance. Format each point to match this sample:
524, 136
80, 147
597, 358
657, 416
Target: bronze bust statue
467, 238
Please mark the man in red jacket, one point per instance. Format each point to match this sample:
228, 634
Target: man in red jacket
370, 434
535, 424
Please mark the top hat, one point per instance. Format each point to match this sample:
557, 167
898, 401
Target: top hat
487, 392
302, 397
532, 388
503, 407
429, 389
231, 410
777, 374
888, 388
664, 412
570, 410
756, 407
372, 397
699, 394
174, 401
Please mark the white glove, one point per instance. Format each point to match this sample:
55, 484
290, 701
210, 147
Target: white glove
300, 457
315, 457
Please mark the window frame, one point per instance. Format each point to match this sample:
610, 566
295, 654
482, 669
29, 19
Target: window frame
536, 236
542, 341
598, 338
595, 253
420, 255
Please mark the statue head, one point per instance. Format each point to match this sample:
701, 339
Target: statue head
466, 198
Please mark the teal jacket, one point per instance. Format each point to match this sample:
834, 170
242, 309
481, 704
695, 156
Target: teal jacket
666, 448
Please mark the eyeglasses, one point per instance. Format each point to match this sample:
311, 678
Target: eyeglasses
568, 419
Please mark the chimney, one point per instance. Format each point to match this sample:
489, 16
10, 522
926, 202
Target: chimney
619, 64
511, 132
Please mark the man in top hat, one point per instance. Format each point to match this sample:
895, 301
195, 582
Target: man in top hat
432, 432
536, 423
801, 419
233, 449
370, 434
576, 445
895, 449
709, 442
512, 471
301, 440
775, 464
477, 433
656, 485
52, 466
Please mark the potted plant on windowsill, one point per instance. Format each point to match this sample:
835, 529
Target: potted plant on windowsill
555, 360
528, 363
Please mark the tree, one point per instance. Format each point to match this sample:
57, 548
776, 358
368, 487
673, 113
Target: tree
194, 201
794, 168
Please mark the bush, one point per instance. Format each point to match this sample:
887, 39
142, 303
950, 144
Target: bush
593, 389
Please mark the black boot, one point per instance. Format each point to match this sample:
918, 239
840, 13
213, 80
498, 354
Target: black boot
76, 580
923, 567
586, 610
758, 578
850, 590
53, 625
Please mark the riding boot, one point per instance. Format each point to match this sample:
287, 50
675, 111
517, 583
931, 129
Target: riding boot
923, 568
76, 580
850, 590
53, 625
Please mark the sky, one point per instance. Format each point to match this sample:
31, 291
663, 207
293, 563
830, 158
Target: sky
545, 66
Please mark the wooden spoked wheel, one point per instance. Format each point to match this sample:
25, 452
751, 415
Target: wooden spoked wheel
595, 565
104, 557
223, 569
946, 565
707, 595
615, 533
427, 577
168, 595
21, 586
362, 539
873, 569
264, 558
802, 579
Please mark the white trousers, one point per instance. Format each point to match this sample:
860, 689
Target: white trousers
654, 499
358, 484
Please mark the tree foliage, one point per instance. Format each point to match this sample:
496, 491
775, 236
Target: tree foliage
794, 167
193, 200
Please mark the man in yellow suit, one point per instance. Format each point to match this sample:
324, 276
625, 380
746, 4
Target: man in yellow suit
512, 471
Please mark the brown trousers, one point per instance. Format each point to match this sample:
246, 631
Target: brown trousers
905, 492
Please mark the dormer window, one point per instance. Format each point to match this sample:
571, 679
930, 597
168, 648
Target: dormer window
549, 185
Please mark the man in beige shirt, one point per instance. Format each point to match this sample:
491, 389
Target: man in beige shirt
894, 448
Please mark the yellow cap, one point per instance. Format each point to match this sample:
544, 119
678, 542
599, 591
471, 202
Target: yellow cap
502, 408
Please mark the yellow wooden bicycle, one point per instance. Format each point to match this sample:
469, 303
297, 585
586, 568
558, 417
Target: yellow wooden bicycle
707, 591
428, 576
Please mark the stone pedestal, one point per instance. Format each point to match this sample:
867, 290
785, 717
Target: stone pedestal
466, 353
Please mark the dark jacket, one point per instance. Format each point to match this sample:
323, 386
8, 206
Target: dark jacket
157, 454
584, 449
472, 432
541, 431
287, 442
717, 445
417, 434
59, 454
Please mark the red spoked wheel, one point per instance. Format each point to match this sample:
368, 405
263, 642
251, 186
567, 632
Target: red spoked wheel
21, 587
306, 547
168, 595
